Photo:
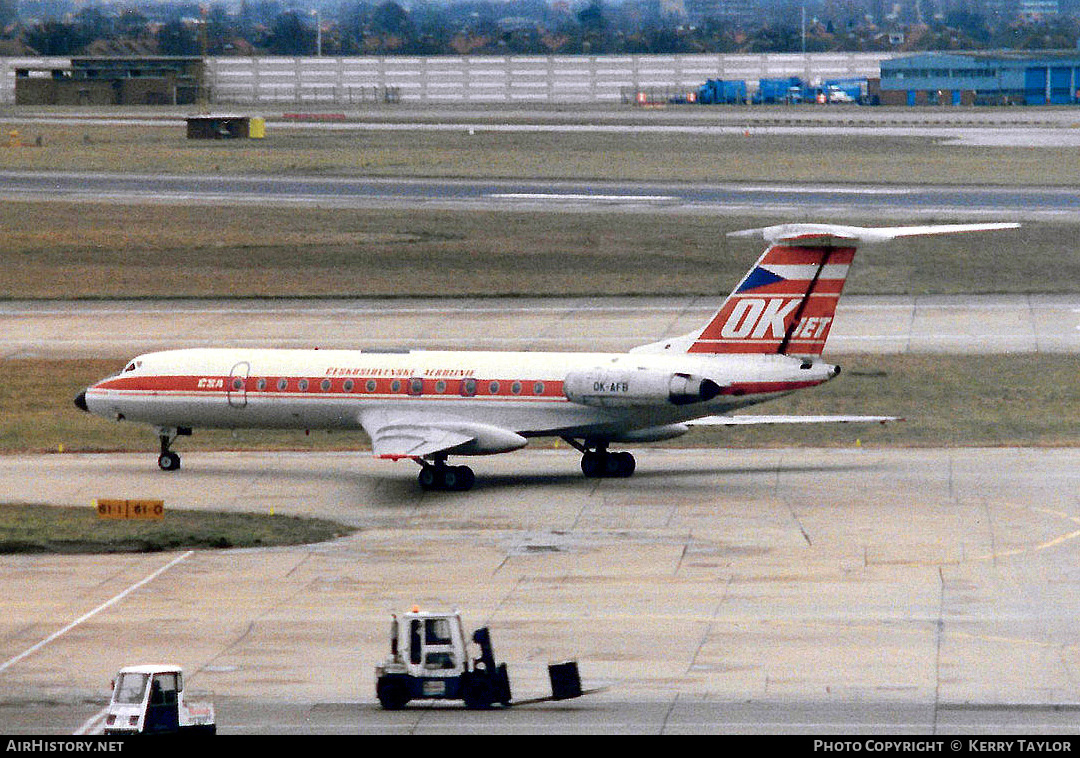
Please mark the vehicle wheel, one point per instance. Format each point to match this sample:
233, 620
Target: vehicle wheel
391, 693
450, 478
168, 461
476, 693
465, 478
613, 464
428, 478
592, 464
625, 464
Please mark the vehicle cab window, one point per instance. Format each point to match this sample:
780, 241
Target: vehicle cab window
163, 689
414, 641
440, 661
437, 632
438, 655
130, 688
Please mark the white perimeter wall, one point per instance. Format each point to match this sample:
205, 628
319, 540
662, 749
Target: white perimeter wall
477, 79
537, 79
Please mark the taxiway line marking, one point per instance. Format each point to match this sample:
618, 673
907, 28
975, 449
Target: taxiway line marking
90, 614
581, 197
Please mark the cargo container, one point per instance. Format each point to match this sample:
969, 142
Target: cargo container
722, 91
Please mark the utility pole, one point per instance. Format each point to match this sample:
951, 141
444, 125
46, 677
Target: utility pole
804, 30
203, 97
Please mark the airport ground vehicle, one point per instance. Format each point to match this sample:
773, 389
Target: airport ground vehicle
429, 660
150, 700
835, 94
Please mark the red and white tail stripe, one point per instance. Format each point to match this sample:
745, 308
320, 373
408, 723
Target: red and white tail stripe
785, 304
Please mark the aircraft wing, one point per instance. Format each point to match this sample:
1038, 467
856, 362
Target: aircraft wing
416, 434
749, 419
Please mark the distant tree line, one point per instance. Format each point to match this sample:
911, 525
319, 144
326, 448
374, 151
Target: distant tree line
480, 27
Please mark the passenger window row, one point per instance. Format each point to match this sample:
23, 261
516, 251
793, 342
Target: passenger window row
468, 387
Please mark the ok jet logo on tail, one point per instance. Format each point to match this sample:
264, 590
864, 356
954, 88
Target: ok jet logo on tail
754, 317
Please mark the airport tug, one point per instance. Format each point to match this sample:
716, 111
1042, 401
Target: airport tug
429, 661
150, 700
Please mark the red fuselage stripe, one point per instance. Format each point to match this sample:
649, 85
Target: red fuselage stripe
322, 387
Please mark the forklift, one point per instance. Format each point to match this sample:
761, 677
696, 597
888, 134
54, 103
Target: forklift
429, 661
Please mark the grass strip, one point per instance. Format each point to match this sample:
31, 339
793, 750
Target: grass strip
36, 528
89, 250
743, 154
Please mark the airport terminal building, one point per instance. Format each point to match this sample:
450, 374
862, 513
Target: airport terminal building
978, 78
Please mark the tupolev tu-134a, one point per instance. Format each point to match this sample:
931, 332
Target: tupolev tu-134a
765, 341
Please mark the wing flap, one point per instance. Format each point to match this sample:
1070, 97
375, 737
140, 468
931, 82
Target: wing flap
409, 440
418, 434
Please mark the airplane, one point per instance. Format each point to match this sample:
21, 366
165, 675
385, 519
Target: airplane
765, 341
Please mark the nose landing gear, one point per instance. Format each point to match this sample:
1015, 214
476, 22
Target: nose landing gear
168, 460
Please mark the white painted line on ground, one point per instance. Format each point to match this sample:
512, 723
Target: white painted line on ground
95, 724
112, 601
582, 197
827, 189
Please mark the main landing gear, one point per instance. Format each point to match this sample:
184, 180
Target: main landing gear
437, 476
168, 460
598, 462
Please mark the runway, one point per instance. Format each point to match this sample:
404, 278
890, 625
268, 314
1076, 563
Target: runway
855, 591
893, 200
122, 328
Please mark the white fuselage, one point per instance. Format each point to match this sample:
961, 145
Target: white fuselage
522, 392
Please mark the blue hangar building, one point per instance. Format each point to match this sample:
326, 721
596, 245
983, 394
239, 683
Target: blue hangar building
982, 78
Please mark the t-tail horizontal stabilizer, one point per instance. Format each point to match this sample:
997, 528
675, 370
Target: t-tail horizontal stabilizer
786, 303
840, 235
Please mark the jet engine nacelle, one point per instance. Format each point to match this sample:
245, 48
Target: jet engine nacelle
609, 388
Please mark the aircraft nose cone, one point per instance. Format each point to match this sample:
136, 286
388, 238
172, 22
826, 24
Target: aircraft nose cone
80, 401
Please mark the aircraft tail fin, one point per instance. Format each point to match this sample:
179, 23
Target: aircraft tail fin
787, 301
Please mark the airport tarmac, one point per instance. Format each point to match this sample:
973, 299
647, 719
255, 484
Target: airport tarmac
841, 591
901, 324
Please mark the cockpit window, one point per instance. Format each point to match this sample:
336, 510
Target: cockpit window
132, 366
